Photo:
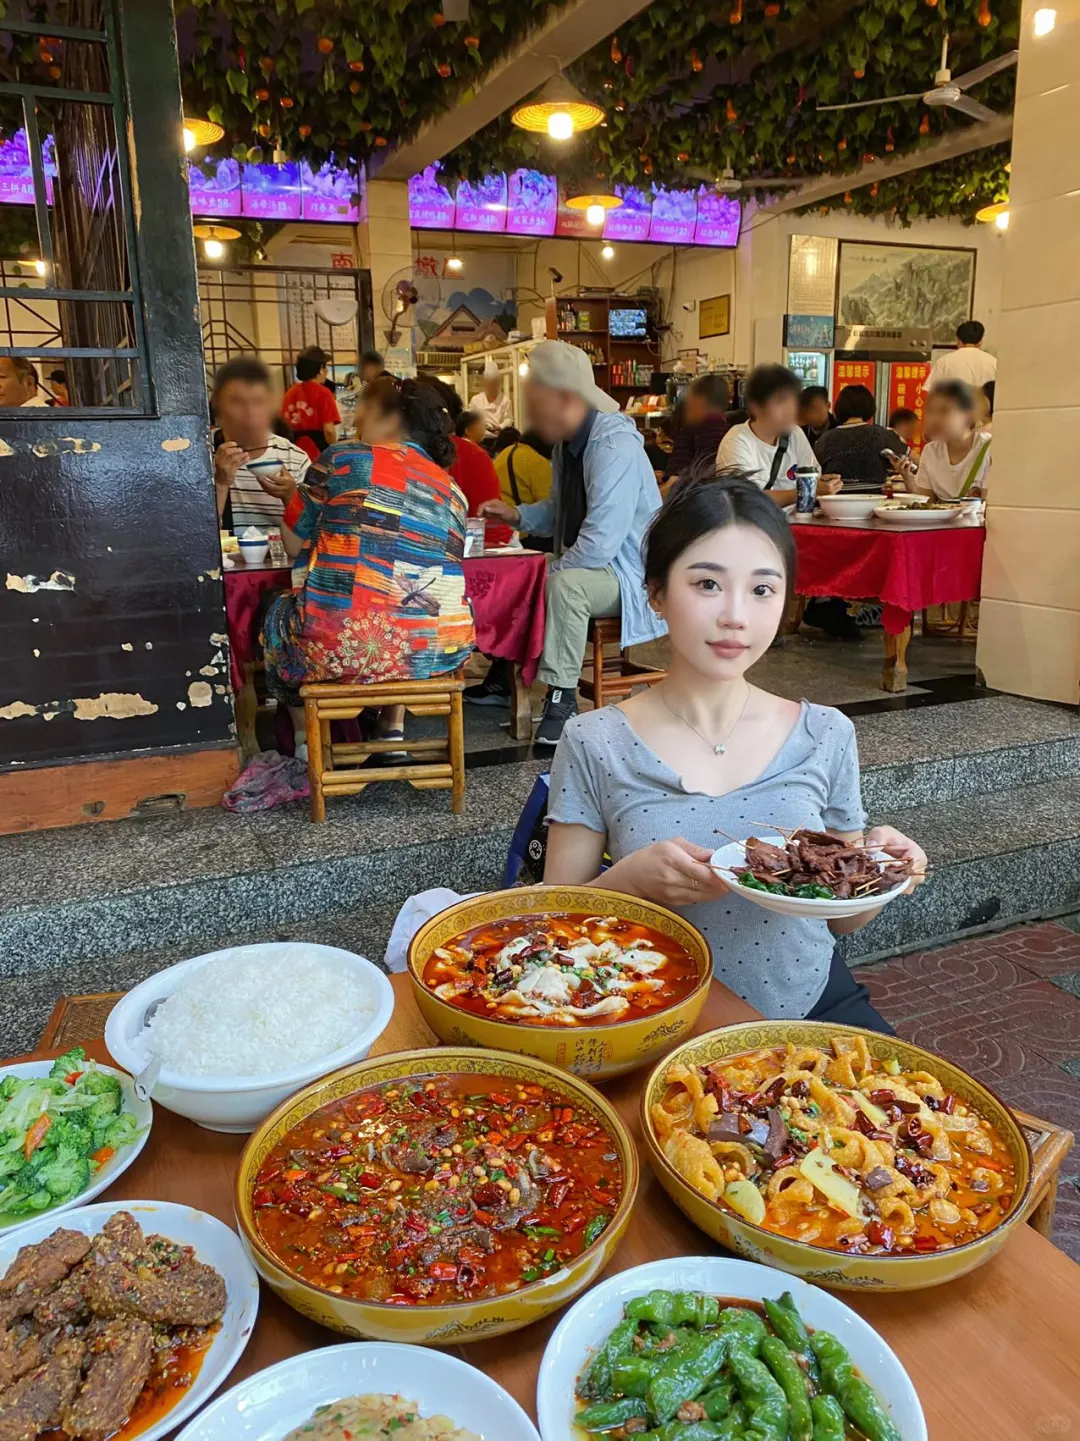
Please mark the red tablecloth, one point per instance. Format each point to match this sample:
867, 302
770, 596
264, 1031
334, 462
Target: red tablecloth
507, 595
906, 570
506, 591
244, 587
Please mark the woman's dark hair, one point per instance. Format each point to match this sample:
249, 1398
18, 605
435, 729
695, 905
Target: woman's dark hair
310, 361
765, 381
537, 443
424, 419
705, 500
508, 436
957, 392
448, 396
855, 402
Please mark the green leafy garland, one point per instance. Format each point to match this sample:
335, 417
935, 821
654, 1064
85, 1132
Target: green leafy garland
956, 188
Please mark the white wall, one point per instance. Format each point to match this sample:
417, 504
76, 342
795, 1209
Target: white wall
762, 269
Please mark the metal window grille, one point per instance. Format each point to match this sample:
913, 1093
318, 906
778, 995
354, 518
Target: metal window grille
83, 314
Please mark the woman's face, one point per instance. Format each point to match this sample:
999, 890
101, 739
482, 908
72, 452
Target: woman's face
378, 426
724, 601
945, 420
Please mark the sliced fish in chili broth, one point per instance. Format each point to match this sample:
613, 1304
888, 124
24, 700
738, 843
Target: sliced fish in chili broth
562, 970
438, 1189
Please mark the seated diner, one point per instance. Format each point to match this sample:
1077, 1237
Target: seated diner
242, 401
384, 597
853, 448
769, 447
662, 780
955, 459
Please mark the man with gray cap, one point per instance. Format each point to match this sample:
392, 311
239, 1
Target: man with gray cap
603, 495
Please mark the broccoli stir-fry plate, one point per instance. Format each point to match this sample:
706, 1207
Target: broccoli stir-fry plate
67, 1128
706, 1349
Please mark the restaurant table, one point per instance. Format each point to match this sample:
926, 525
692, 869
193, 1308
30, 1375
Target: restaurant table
994, 1356
507, 596
906, 567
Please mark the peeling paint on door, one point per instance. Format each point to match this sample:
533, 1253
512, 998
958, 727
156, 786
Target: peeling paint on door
115, 705
16, 709
199, 693
31, 584
176, 442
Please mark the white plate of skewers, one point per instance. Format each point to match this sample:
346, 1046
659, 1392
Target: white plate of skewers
811, 874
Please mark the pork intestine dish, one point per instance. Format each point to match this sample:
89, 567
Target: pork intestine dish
562, 970
836, 1148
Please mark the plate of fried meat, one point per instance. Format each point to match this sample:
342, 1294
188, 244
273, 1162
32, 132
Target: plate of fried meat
119, 1322
811, 873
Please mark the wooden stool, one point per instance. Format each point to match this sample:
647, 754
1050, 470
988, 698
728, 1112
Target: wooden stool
336, 769
616, 676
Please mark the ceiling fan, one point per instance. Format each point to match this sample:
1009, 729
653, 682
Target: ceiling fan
947, 92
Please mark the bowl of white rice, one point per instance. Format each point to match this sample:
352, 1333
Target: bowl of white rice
238, 1031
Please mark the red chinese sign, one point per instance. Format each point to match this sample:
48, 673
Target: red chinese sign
852, 372
906, 390
342, 260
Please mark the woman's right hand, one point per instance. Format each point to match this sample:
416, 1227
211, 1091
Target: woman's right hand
672, 873
499, 511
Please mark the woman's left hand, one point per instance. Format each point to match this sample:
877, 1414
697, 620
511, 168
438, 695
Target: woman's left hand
895, 843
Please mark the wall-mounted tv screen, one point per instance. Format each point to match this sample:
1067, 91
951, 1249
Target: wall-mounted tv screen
629, 323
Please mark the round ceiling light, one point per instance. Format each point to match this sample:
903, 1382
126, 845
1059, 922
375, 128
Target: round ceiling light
995, 215
213, 238
558, 111
595, 206
198, 134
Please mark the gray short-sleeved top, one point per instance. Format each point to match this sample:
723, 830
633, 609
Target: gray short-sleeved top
605, 777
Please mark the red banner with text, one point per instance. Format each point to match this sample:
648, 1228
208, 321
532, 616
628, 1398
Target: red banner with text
906, 390
852, 372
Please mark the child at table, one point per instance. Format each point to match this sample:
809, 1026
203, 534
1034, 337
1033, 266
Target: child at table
661, 780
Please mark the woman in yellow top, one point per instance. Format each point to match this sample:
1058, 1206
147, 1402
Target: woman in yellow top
523, 465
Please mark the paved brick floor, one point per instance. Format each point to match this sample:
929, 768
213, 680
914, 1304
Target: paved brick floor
1006, 1008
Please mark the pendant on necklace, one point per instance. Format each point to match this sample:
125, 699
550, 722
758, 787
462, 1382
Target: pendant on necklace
719, 750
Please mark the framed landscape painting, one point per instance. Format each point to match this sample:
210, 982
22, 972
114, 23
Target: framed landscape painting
898, 286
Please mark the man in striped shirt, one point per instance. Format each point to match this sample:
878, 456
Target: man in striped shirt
243, 406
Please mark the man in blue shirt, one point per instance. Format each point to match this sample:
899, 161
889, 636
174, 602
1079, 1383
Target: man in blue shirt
603, 495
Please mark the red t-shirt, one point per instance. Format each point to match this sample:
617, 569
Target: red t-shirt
476, 477
307, 407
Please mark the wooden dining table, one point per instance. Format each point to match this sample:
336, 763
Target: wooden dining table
994, 1356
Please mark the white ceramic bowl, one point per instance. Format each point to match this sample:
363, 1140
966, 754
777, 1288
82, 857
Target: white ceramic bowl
587, 1324
254, 551
239, 1103
849, 507
214, 1243
143, 1112
269, 1405
264, 466
734, 854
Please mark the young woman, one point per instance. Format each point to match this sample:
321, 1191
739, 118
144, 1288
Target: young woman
955, 461
663, 779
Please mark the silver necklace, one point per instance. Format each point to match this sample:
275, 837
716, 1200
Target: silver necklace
717, 747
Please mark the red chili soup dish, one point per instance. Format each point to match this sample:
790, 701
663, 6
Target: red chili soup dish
562, 971
439, 1189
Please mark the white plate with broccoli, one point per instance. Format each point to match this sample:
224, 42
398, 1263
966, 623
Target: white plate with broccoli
68, 1128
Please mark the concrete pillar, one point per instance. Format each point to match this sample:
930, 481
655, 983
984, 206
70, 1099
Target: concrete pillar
1029, 623
386, 249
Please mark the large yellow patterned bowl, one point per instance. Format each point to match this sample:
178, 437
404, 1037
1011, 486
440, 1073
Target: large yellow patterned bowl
836, 1269
598, 1052
432, 1325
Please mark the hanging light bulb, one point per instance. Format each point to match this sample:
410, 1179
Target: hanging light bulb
1002, 220
40, 267
213, 249
523, 369
455, 263
560, 125
1043, 21
189, 140
213, 238
608, 252
594, 214
200, 132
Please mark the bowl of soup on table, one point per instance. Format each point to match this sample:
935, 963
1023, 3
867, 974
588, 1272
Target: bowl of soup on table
590, 980
436, 1196
847, 1157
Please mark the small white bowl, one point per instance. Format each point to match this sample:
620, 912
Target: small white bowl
271, 1403
849, 507
213, 1243
117, 1164
733, 854
588, 1323
238, 1103
254, 551
263, 467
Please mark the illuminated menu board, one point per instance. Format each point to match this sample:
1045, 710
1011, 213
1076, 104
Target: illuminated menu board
223, 189
535, 204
